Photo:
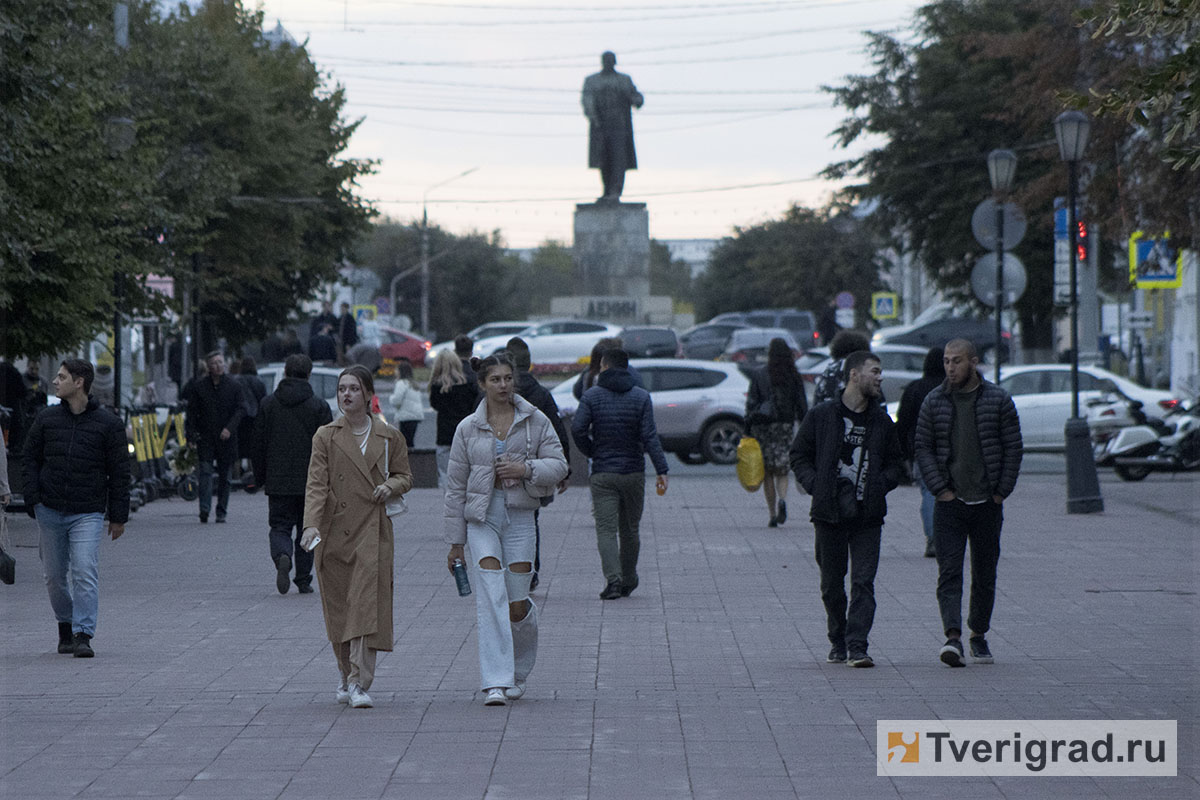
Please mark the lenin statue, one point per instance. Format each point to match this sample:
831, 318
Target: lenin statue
607, 98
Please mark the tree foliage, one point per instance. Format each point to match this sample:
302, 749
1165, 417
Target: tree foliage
234, 186
801, 260
977, 75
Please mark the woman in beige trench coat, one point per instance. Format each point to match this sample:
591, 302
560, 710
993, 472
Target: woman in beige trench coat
349, 483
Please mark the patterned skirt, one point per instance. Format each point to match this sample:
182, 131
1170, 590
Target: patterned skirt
775, 439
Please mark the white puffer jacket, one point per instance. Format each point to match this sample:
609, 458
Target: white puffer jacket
471, 474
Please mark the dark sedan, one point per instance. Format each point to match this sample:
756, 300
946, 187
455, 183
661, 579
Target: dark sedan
709, 340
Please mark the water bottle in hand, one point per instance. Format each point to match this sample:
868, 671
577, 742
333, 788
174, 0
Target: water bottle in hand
460, 578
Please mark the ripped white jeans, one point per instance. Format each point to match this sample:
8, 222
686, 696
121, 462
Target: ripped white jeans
507, 650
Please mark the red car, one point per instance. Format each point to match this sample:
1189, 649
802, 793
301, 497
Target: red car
394, 343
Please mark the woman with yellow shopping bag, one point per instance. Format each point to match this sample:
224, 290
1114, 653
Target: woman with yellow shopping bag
775, 403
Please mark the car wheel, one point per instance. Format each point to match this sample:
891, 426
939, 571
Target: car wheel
690, 458
719, 440
1131, 473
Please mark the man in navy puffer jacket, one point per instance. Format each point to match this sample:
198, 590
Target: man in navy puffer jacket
614, 426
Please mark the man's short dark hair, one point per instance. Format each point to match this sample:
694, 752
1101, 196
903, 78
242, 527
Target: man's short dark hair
615, 358
211, 355
463, 345
846, 342
855, 361
520, 353
297, 365
79, 368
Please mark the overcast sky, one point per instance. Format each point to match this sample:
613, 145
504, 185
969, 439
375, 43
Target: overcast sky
732, 100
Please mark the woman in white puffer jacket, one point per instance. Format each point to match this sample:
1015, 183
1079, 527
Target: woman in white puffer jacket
504, 458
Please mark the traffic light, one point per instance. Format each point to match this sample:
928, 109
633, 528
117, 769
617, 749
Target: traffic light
1081, 242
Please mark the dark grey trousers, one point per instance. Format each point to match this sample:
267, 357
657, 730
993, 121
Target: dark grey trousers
954, 525
840, 547
617, 506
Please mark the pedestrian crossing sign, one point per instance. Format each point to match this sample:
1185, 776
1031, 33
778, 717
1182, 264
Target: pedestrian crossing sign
885, 305
1153, 264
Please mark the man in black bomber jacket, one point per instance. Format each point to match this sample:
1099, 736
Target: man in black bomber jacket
847, 457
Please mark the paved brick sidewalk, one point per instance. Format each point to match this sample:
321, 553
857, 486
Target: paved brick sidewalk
709, 682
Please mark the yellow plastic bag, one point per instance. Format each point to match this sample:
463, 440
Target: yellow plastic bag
750, 464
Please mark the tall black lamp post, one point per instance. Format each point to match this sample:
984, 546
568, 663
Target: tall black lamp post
1071, 128
1002, 168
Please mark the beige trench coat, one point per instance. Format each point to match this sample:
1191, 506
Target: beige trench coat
354, 559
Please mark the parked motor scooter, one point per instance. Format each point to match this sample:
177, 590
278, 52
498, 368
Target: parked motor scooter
1169, 445
1107, 415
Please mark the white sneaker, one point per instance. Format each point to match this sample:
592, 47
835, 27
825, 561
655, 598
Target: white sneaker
343, 693
495, 697
359, 698
515, 692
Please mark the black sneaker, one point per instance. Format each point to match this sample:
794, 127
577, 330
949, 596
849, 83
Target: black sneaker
774, 523
980, 653
283, 572
612, 591
952, 653
859, 659
83, 646
929, 551
304, 588
203, 517
781, 517
220, 519
837, 655
627, 587
66, 641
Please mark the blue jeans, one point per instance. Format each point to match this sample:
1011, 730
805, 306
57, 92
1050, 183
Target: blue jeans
70, 547
927, 503
224, 454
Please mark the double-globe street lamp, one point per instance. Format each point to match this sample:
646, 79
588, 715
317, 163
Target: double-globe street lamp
1002, 169
1071, 128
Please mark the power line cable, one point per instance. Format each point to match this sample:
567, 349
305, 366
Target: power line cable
569, 90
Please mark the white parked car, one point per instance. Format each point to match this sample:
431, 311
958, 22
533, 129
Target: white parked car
506, 328
698, 405
556, 341
1042, 395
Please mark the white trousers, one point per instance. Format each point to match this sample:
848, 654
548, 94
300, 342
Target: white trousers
507, 650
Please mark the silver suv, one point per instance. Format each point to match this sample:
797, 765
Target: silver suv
698, 406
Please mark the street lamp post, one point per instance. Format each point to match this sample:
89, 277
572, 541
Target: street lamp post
425, 249
1071, 128
1002, 168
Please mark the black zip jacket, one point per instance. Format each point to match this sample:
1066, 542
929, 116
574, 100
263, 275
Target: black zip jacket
452, 407
78, 463
815, 453
539, 396
283, 432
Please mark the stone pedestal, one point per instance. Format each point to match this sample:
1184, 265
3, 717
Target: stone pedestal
612, 250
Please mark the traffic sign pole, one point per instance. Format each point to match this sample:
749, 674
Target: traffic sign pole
999, 285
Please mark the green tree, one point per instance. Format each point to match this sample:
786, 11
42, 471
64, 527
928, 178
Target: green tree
670, 277
550, 273
801, 260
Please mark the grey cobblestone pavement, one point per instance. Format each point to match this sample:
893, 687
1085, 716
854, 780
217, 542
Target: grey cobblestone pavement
709, 682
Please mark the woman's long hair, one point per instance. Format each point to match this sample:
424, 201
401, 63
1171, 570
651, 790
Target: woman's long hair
607, 343
781, 364
447, 371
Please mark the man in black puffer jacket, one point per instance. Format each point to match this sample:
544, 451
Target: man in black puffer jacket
847, 457
968, 449
283, 432
76, 468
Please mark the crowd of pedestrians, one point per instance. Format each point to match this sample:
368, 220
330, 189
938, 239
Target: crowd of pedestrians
335, 487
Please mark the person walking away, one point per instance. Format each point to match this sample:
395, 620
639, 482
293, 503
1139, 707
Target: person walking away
933, 373
827, 325
504, 459
406, 401
347, 331
968, 449
357, 465
322, 346
847, 457
326, 317
614, 426
255, 391
533, 391
5, 487
76, 471
453, 397
831, 382
283, 432
587, 378
215, 407
463, 346
775, 402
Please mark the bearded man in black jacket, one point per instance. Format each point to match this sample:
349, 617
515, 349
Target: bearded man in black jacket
847, 457
76, 469
215, 407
